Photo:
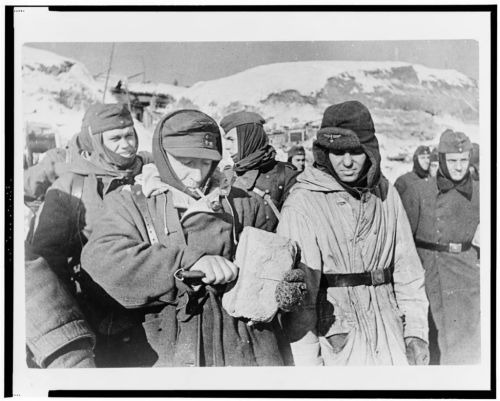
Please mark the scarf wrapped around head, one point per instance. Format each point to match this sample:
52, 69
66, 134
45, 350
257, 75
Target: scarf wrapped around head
417, 168
254, 150
349, 126
98, 119
186, 133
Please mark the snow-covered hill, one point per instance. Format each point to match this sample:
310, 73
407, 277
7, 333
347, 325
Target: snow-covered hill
411, 104
56, 90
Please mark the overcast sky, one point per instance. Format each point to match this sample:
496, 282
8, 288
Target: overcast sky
190, 62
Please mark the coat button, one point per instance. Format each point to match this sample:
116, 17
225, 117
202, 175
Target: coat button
126, 339
267, 176
267, 191
267, 217
265, 203
280, 186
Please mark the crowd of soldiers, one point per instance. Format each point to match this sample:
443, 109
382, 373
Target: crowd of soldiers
130, 255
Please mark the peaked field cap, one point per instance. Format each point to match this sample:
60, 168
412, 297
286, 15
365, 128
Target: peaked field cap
423, 150
191, 133
454, 142
105, 117
239, 118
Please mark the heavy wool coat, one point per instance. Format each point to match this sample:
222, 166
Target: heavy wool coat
178, 325
451, 279
67, 216
72, 206
338, 233
275, 179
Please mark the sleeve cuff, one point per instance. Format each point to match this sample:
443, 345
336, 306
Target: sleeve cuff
51, 342
422, 333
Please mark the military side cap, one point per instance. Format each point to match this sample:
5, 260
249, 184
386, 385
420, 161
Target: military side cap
191, 133
423, 150
105, 117
454, 142
239, 118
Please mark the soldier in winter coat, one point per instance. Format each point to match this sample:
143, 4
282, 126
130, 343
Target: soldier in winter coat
153, 235
421, 164
366, 303
434, 163
256, 169
297, 156
39, 178
444, 216
74, 204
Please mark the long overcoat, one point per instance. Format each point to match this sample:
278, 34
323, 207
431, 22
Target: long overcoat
175, 323
451, 279
338, 233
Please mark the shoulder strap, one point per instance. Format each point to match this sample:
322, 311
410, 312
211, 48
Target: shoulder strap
76, 194
142, 206
281, 179
269, 200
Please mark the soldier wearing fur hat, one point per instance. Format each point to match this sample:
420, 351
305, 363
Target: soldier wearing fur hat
255, 167
444, 216
180, 221
421, 164
366, 303
72, 206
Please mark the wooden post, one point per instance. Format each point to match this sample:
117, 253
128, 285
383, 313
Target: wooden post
107, 75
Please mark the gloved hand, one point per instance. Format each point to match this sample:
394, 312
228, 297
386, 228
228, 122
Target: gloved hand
291, 291
417, 351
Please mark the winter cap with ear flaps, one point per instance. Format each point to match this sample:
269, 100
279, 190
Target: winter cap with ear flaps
105, 117
239, 118
348, 126
454, 142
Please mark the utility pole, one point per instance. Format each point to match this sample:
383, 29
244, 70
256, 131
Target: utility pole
143, 70
109, 70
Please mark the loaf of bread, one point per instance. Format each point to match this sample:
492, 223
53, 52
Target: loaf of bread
264, 259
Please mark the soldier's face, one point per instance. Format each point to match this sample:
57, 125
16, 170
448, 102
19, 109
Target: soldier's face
192, 172
299, 161
348, 165
424, 161
457, 164
231, 143
122, 141
433, 168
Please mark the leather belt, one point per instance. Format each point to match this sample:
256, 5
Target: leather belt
373, 278
452, 247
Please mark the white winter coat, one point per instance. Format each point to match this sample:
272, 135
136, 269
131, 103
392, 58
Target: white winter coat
338, 233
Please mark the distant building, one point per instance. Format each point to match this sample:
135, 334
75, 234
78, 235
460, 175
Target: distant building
145, 107
40, 137
287, 136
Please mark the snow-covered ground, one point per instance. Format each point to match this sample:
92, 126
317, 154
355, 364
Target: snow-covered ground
411, 104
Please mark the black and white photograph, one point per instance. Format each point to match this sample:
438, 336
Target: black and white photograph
253, 200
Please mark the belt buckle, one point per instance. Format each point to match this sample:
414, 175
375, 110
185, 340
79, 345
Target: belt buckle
455, 248
378, 277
